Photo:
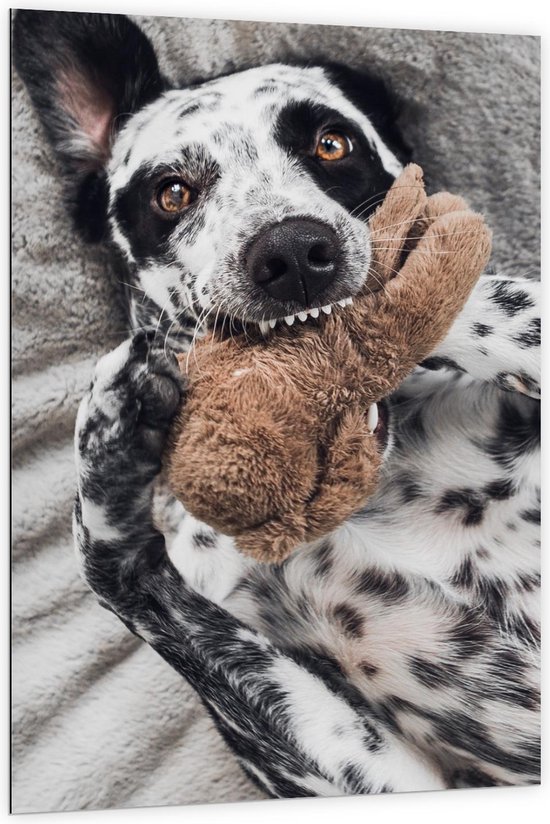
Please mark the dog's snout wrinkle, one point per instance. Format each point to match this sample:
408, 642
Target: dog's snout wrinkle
294, 260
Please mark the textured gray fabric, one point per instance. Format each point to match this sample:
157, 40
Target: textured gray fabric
99, 720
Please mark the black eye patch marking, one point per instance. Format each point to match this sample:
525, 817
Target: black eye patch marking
357, 181
146, 229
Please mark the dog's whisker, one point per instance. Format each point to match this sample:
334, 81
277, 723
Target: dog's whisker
215, 327
374, 275
198, 328
412, 220
380, 196
131, 285
421, 237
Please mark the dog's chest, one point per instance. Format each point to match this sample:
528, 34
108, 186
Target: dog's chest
446, 514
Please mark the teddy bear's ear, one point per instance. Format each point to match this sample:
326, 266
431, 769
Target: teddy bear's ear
376, 100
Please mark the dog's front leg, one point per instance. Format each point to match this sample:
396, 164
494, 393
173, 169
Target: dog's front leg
291, 732
121, 429
496, 337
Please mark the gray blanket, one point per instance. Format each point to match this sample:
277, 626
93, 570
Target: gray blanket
98, 719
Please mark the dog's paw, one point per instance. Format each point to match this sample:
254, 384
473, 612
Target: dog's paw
125, 416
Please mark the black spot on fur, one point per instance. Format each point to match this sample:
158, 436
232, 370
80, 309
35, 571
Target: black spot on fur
482, 329
204, 540
409, 489
266, 88
456, 728
175, 299
353, 778
500, 490
493, 593
432, 674
508, 664
464, 575
386, 711
391, 587
471, 777
532, 516
368, 669
323, 560
350, 620
516, 431
530, 336
510, 299
469, 633
440, 362
469, 500
528, 581
189, 108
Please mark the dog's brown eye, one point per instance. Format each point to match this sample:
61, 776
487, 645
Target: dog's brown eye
174, 196
333, 146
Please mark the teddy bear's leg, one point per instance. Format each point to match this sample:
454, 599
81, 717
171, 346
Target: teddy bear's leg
291, 732
350, 475
496, 337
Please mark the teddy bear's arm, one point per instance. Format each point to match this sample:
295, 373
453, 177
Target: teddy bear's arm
418, 306
496, 337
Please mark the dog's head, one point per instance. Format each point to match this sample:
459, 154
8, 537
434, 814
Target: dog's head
243, 197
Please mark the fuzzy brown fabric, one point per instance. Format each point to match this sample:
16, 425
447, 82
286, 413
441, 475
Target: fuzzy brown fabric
272, 444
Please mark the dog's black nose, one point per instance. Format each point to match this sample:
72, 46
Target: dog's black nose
294, 260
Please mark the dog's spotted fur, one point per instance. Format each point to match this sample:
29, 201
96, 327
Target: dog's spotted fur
400, 652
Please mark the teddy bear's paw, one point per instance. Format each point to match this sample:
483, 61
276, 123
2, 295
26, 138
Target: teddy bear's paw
135, 392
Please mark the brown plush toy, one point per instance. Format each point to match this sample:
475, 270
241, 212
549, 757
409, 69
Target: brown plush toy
277, 442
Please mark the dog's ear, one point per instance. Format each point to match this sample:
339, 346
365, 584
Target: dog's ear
86, 74
370, 94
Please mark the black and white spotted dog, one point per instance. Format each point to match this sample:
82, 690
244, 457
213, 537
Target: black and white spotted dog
399, 652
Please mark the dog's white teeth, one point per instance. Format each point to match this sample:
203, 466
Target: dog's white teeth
304, 314
372, 417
